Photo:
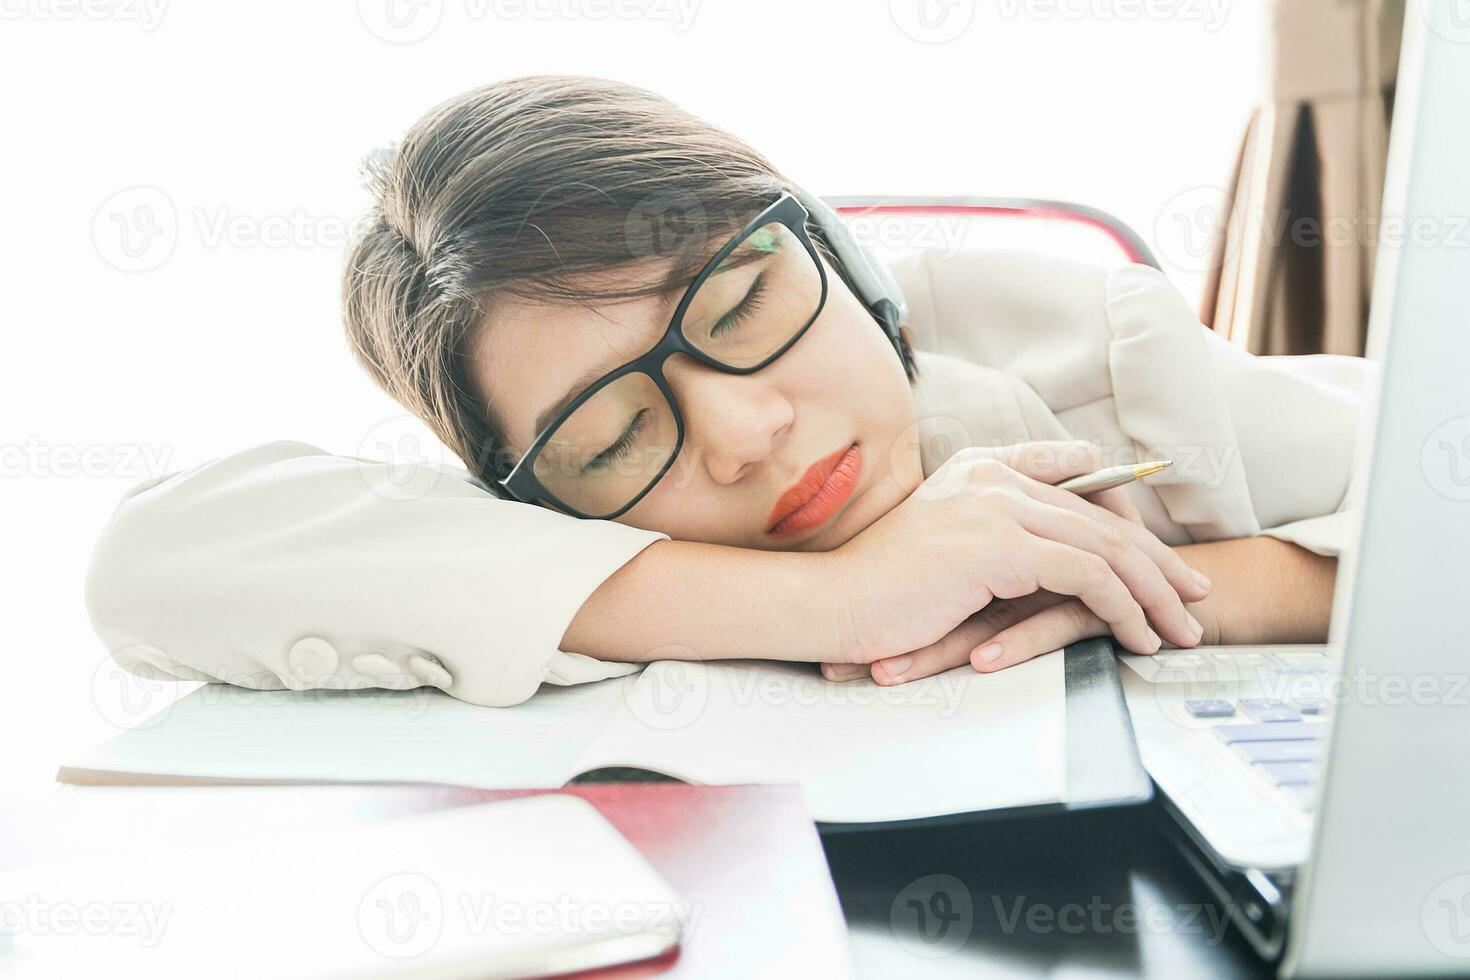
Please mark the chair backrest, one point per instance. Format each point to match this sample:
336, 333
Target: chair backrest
895, 225
965, 262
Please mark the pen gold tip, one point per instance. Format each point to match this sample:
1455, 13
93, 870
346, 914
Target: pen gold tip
1149, 469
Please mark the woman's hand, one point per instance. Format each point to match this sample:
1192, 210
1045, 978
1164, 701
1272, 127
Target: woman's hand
1021, 627
988, 525
1004, 633
1267, 591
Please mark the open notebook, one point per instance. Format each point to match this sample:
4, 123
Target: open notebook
1050, 732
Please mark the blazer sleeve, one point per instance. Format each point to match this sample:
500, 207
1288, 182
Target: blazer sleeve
284, 566
1285, 428
1300, 421
1261, 445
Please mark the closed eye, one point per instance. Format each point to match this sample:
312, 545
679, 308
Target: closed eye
621, 445
744, 309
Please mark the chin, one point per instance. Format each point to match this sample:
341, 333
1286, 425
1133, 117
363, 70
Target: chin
866, 509
862, 513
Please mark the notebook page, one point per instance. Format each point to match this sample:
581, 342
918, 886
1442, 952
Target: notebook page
423, 735
958, 742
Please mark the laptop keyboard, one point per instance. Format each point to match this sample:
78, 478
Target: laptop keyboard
1277, 742
1260, 707
1225, 663
1236, 738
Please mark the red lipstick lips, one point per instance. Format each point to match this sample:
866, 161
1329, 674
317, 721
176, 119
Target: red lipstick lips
820, 493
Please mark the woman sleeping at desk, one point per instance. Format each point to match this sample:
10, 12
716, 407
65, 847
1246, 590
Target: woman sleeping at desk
693, 430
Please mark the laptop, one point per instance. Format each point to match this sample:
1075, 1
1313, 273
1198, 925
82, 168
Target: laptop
1323, 793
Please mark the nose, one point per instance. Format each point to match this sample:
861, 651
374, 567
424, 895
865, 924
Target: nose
732, 421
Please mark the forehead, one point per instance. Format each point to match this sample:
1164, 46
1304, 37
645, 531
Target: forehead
527, 354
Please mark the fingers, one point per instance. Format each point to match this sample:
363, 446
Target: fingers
1051, 629
844, 672
1053, 461
954, 649
1066, 570
1047, 460
1189, 584
1119, 501
1144, 579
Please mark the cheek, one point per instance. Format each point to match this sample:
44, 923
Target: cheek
850, 363
684, 505
846, 332
862, 376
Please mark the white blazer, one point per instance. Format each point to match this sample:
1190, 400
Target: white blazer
284, 566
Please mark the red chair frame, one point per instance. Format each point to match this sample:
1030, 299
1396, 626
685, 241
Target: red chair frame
1123, 236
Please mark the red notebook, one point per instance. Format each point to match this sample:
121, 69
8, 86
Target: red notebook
746, 859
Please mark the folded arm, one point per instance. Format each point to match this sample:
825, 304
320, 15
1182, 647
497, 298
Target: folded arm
284, 566
287, 567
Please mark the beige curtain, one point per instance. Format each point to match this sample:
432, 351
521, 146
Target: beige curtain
1293, 268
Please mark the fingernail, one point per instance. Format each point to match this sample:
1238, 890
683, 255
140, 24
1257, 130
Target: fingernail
1199, 630
895, 667
1199, 577
1154, 639
989, 653
845, 672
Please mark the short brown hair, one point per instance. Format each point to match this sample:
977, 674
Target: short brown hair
535, 187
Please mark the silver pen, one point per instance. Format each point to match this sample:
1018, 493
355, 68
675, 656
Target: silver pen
1112, 476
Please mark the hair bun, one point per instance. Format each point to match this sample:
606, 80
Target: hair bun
375, 169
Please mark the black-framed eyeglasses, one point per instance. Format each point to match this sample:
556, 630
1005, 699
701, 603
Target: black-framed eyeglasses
614, 441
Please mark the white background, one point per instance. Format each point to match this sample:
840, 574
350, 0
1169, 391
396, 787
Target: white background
243, 123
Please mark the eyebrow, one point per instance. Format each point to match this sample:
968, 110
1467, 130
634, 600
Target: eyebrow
570, 395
